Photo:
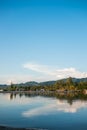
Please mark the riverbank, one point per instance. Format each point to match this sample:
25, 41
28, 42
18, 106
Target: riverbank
41, 91
10, 128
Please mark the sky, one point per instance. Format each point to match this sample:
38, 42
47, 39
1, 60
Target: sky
42, 40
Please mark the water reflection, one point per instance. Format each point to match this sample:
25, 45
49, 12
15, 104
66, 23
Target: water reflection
70, 97
45, 105
55, 106
31, 111
13, 95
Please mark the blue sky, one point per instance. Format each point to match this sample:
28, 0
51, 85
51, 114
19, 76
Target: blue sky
42, 35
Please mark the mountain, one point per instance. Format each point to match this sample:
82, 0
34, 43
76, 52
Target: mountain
46, 83
80, 80
76, 80
31, 83
3, 85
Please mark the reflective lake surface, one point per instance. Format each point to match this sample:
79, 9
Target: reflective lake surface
42, 112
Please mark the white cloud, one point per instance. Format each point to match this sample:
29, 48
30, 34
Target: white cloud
67, 72
45, 73
57, 73
38, 68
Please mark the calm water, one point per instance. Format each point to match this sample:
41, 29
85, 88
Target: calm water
42, 112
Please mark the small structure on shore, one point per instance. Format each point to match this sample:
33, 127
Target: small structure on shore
85, 91
1, 90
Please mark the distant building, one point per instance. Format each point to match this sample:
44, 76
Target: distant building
85, 91
1, 90
42, 90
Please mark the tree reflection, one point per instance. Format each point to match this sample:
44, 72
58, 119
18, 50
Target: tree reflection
11, 96
69, 97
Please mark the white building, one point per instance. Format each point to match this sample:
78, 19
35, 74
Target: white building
1, 90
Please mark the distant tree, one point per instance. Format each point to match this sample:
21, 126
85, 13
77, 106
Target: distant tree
69, 81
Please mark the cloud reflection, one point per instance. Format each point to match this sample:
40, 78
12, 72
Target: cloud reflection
55, 106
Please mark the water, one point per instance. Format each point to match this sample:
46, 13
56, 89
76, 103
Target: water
42, 112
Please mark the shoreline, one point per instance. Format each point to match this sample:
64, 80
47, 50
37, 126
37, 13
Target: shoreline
14, 128
40, 91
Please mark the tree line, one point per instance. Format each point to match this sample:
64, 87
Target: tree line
62, 85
